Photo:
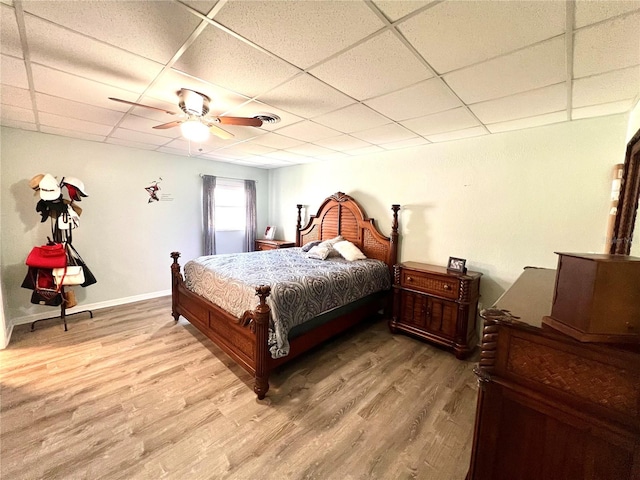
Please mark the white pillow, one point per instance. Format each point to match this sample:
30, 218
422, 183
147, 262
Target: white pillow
319, 252
349, 251
331, 242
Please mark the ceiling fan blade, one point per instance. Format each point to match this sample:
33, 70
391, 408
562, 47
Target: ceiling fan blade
175, 123
141, 105
218, 132
247, 122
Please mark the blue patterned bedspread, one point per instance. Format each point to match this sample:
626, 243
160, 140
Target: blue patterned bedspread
301, 287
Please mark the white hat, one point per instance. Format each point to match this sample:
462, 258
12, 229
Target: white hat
49, 188
75, 186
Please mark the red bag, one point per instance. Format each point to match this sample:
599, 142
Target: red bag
48, 256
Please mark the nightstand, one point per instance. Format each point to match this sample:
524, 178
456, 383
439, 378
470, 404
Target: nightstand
273, 244
436, 305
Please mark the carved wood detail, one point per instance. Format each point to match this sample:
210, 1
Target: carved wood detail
599, 383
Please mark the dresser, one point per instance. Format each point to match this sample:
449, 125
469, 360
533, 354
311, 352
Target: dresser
550, 406
436, 305
273, 244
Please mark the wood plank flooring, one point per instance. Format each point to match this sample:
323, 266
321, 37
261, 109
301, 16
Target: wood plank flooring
130, 394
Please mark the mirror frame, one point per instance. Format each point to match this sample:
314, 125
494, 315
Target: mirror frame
628, 200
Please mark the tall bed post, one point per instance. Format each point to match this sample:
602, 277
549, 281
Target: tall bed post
393, 251
298, 225
175, 279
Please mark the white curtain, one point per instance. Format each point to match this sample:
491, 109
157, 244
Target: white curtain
251, 223
209, 210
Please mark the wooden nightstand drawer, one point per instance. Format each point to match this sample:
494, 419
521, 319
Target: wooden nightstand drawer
273, 244
429, 283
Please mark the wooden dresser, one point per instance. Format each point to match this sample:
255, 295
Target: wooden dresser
436, 305
273, 244
550, 406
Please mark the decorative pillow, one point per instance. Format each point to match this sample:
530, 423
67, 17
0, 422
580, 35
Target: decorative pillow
349, 251
319, 252
332, 242
308, 246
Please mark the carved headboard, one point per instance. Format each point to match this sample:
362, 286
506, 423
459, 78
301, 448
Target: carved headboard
340, 214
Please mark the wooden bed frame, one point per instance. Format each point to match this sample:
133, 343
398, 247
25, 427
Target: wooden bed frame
245, 339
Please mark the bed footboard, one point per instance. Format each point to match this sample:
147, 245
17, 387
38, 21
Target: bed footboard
244, 339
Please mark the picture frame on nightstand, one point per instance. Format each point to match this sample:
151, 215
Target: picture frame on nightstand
457, 265
270, 232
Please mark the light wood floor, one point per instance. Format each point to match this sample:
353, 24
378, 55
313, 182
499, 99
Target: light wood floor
133, 395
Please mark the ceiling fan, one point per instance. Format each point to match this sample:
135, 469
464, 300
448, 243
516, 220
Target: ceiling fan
196, 125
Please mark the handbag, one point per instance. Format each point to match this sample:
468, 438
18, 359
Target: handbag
69, 275
75, 257
70, 300
47, 256
46, 292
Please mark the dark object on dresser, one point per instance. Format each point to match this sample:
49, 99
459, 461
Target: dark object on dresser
262, 244
549, 406
436, 305
597, 298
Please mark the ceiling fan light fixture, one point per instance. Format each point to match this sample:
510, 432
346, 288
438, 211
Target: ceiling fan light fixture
194, 130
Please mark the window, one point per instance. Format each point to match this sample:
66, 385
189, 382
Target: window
230, 205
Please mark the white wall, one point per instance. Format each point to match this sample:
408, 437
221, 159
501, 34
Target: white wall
502, 201
125, 240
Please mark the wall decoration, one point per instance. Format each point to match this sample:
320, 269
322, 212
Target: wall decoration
153, 190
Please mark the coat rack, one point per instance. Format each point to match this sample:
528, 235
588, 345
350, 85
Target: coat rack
53, 205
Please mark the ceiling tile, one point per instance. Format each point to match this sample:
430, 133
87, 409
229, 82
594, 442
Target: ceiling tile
18, 97
608, 87
9, 35
379, 66
64, 132
306, 96
352, 118
602, 109
366, 150
530, 122
607, 46
385, 134
533, 67
140, 137
310, 150
285, 156
77, 110
534, 102
13, 72
58, 121
342, 143
70, 52
232, 64
426, 97
274, 140
308, 131
155, 30
458, 134
18, 114
64, 85
251, 148
302, 33
588, 11
333, 156
455, 119
452, 35
202, 6
394, 10
412, 142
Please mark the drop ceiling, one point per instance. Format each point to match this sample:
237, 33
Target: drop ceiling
346, 77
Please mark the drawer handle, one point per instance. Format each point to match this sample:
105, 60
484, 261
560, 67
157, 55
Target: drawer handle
409, 279
447, 286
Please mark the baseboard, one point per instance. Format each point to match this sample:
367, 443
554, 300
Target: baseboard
7, 336
91, 306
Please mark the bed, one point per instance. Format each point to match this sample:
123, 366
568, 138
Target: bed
246, 337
